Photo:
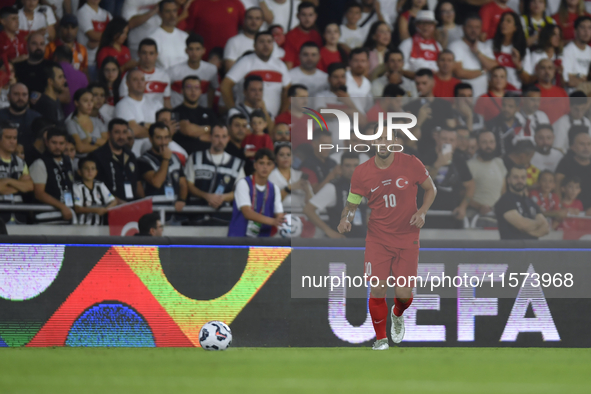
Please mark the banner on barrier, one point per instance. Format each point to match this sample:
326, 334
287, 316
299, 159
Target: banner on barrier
123, 219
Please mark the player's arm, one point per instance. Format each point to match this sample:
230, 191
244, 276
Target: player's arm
348, 213
418, 219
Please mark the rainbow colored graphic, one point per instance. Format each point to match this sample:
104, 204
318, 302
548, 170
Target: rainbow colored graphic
315, 117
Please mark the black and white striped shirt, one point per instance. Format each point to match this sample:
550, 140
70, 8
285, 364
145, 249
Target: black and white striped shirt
84, 197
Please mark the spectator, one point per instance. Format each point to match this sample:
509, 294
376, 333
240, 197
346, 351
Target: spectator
259, 139
162, 171
183, 11
143, 19
319, 167
137, 110
53, 179
510, 49
473, 57
34, 146
244, 41
463, 139
101, 111
93, 21
281, 133
491, 14
444, 80
394, 63
421, 50
112, 44
165, 115
554, 102
520, 155
488, 172
207, 73
68, 31
448, 32
257, 202
30, 72
295, 190
358, 85
304, 32
507, 124
253, 99
237, 130
48, 103
579, 104
195, 121
431, 112
169, 40
150, 225
88, 132
378, 43
463, 104
546, 157
12, 42
9, 79
116, 165
578, 164
213, 173
14, 173
352, 36
332, 198
110, 77
576, 56
455, 185
568, 12
549, 47
206, 18
306, 73
280, 12
70, 152
489, 105
157, 80
278, 35
518, 216
273, 71
92, 199
534, 19
407, 20
530, 114
75, 79
33, 18
294, 116
332, 51
19, 113
571, 188
548, 201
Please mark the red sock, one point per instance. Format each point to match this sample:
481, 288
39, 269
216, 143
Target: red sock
378, 309
400, 306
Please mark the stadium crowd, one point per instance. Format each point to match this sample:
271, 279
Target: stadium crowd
188, 102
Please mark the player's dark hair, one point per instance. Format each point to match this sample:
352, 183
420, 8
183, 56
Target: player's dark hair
574, 131
334, 67
264, 152
194, 38
251, 78
117, 121
348, 155
424, 71
157, 125
291, 92
147, 222
462, 86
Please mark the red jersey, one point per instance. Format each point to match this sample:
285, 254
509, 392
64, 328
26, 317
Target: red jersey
546, 203
554, 102
216, 21
491, 16
445, 89
392, 197
12, 48
488, 106
568, 27
254, 142
122, 57
327, 58
294, 41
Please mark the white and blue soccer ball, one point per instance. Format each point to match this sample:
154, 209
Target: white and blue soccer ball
215, 335
291, 227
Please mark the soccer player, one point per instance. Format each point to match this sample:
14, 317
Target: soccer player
389, 182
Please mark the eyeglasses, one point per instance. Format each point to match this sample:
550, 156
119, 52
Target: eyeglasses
282, 132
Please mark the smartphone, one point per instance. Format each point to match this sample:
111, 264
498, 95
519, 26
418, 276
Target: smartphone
174, 117
445, 149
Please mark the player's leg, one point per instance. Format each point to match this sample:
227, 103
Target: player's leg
404, 269
377, 266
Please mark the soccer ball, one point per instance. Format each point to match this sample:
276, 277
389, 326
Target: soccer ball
215, 335
292, 227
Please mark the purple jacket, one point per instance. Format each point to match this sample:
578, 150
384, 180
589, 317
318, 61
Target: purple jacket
76, 80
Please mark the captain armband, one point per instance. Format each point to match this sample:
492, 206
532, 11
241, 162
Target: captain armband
354, 198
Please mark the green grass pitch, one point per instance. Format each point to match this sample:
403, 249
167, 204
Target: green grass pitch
295, 370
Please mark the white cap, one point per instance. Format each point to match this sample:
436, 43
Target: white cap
425, 16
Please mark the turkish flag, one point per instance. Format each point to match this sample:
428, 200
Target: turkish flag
155, 87
123, 219
576, 228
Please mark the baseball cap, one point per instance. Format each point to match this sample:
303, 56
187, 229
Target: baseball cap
69, 20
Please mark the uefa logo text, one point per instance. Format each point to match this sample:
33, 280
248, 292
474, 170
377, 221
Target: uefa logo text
392, 120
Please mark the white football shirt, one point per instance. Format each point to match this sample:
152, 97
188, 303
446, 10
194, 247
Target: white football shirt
132, 8
207, 73
470, 62
315, 83
89, 20
239, 44
171, 47
157, 85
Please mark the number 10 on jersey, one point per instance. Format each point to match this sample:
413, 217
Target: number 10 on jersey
390, 200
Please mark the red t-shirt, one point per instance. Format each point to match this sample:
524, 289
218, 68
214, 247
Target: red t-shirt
491, 16
488, 106
576, 204
327, 58
298, 127
122, 56
215, 20
548, 203
568, 27
293, 42
254, 142
391, 194
445, 89
12, 48
554, 102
